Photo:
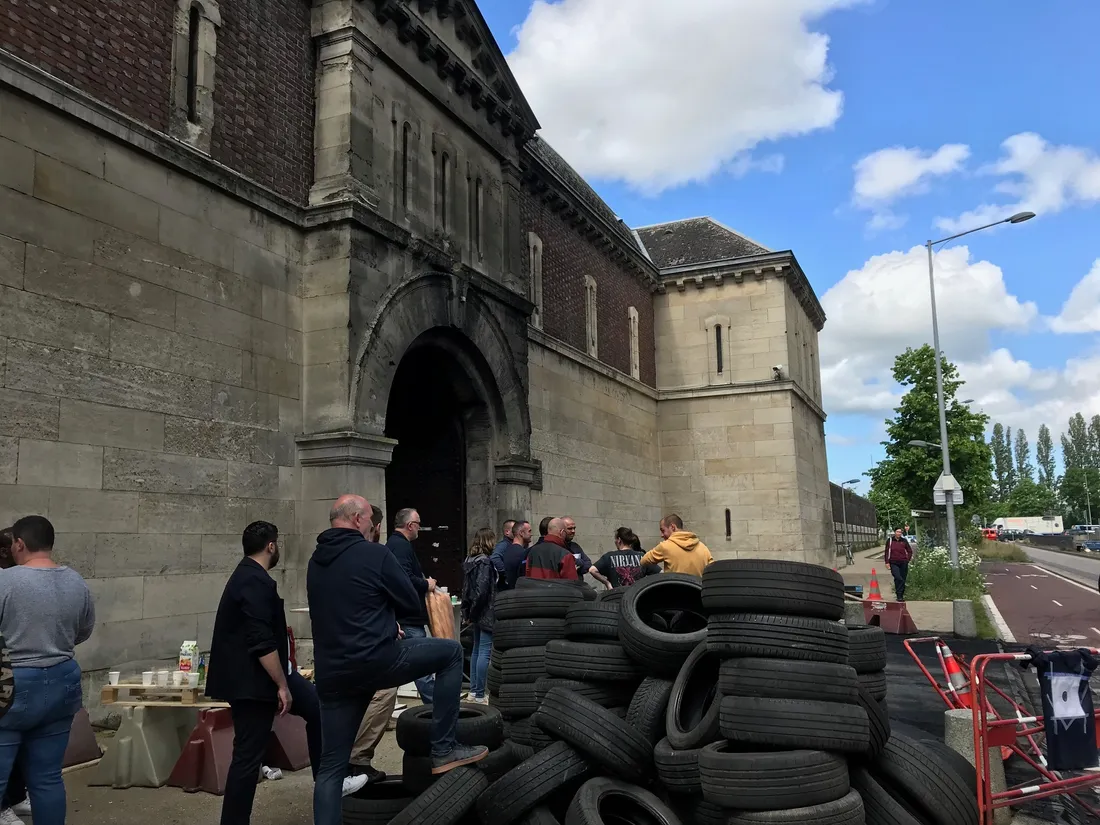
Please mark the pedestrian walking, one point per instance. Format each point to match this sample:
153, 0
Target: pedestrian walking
899, 552
46, 610
478, 591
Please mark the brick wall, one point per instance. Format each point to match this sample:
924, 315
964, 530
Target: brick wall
566, 258
120, 52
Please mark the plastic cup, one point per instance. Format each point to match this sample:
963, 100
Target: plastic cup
112, 677
147, 678
179, 678
162, 678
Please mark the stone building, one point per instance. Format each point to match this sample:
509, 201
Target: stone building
255, 255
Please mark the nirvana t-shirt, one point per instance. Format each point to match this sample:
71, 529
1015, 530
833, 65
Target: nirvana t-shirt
1068, 715
624, 567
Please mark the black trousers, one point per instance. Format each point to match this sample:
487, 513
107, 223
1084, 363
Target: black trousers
251, 733
900, 571
16, 791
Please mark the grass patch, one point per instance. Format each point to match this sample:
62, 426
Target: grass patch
984, 623
932, 578
1001, 551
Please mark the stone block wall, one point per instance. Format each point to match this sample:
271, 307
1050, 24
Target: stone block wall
595, 433
149, 358
814, 495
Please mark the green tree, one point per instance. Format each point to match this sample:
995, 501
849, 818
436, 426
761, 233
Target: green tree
1079, 489
1024, 469
1002, 463
891, 507
910, 472
1032, 500
1044, 457
1094, 442
1076, 451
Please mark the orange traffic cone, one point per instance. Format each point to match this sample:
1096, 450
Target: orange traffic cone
956, 682
874, 595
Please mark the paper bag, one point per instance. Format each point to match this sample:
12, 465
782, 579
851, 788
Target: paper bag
441, 617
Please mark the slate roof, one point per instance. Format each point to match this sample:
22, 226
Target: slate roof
695, 241
568, 175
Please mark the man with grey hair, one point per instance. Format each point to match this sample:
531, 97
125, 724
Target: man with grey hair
355, 589
406, 527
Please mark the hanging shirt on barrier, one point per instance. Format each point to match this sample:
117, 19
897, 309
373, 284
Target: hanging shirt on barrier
1068, 714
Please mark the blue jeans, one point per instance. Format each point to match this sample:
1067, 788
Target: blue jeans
341, 715
479, 661
425, 685
38, 722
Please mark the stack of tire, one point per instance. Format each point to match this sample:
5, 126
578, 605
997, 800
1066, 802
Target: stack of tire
757, 707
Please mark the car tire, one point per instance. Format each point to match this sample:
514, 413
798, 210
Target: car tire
662, 621
874, 683
512, 633
593, 622
771, 781
378, 803
786, 679
542, 603
848, 810
926, 781
477, 725
447, 801
792, 723
648, 708
866, 648
678, 770
586, 662
606, 801
778, 637
557, 770
777, 587
691, 719
604, 694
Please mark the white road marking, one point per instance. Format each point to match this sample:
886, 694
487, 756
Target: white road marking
1057, 602
1094, 630
1017, 577
1063, 578
998, 619
1033, 587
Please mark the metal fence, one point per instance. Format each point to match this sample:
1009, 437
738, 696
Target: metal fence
855, 519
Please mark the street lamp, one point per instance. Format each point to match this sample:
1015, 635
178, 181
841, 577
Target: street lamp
844, 515
1019, 217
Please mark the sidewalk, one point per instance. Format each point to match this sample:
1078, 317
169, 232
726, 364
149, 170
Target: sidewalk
933, 617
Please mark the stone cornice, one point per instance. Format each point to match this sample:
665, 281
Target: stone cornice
493, 91
560, 198
521, 471
743, 388
768, 264
339, 449
537, 336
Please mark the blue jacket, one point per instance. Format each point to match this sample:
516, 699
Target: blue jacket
355, 590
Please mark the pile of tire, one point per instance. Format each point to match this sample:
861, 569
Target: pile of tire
737, 699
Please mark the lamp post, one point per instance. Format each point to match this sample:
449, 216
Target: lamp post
844, 515
1019, 217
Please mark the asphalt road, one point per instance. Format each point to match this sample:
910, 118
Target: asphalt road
1081, 567
1043, 606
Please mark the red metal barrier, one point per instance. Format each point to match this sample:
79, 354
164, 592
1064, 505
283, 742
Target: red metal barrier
1008, 734
204, 763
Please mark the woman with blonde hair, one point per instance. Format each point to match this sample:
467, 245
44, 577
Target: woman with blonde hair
478, 590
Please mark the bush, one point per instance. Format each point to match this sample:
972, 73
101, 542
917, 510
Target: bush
931, 576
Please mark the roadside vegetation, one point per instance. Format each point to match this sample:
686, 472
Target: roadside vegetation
1001, 551
932, 578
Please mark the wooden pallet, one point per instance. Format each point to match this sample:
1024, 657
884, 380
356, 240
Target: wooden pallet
153, 695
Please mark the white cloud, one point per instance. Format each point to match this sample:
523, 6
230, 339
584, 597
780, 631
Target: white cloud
875, 312
1039, 177
659, 94
888, 174
1081, 311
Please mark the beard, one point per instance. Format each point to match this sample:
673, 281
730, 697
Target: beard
274, 561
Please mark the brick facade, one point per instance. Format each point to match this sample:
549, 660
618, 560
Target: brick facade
566, 258
120, 52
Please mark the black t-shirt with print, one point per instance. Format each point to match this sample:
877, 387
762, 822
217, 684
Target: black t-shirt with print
624, 567
1068, 713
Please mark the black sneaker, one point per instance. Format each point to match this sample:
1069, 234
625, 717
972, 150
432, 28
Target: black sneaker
372, 774
460, 755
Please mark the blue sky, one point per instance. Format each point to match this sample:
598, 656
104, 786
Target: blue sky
759, 112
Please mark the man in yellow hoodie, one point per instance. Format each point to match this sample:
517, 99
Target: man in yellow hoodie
681, 551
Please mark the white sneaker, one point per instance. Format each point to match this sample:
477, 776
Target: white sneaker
8, 817
352, 784
23, 808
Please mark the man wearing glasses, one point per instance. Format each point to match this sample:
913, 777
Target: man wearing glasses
406, 527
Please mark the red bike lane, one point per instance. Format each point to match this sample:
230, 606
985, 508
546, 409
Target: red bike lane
1041, 607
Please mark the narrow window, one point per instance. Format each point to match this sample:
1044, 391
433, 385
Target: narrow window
635, 350
535, 250
729, 526
444, 181
590, 315
405, 134
718, 350
479, 203
193, 65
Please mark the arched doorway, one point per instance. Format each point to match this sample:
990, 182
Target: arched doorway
439, 414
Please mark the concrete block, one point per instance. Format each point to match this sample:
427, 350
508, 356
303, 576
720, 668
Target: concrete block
68, 279
91, 196
271, 376
88, 423
253, 480
260, 265
93, 511
151, 179
150, 472
27, 122
958, 734
173, 352
283, 514
221, 553
17, 168
60, 464
26, 414
114, 643
274, 447
853, 613
29, 219
240, 406
196, 238
37, 368
167, 267
76, 550
966, 625
9, 457
17, 501
117, 599
182, 595
43, 320
211, 439
144, 554
210, 322
167, 513
12, 259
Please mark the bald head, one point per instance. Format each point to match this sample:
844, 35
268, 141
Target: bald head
352, 512
556, 527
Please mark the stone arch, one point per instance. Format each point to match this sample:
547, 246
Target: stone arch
462, 323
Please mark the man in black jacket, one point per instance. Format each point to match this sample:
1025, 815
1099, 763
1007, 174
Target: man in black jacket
355, 589
250, 668
406, 527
